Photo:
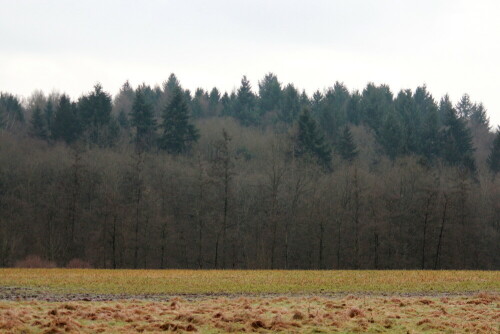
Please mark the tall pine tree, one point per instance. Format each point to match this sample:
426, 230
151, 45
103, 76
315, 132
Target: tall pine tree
456, 138
269, 93
66, 125
39, 125
142, 119
390, 135
95, 115
346, 146
178, 133
245, 104
310, 142
290, 104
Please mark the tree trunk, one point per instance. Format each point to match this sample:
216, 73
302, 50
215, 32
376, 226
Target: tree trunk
440, 238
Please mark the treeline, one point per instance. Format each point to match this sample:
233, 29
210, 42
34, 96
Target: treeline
159, 177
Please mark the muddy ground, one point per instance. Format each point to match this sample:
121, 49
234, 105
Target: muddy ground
23, 293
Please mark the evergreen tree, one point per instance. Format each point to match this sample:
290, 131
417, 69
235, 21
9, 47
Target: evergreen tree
151, 97
494, 157
11, 108
479, 116
269, 93
376, 103
464, 107
354, 109
122, 105
390, 135
213, 101
316, 102
245, 103
172, 84
346, 146
199, 103
142, 119
428, 133
39, 125
226, 103
94, 112
406, 108
122, 119
49, 115
456, 138
310, 142
66, 125
178, 133
290, 104
333, 113
305, 102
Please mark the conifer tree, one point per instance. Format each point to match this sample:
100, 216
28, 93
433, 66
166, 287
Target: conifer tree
346, 146
479, 116
213, 101
427, 111
375, 103
245, 103
11, 108
66, 125
94, 111
178, 133
198, 104
310, 142
172, 84
305, 102
269, 93
354, 109
406, 108
38, 124
456, 138
122, 119
226, 103
290, 104
49, 115
333, 113
464, 107
494, 157
391, 135
142, 119
429, 135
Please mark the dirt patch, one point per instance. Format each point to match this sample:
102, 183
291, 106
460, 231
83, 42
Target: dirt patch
23, 293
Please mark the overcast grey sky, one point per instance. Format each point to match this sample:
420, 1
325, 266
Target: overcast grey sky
453, 46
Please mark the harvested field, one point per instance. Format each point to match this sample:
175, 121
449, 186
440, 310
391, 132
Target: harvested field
172, 282
154, 301
350, 314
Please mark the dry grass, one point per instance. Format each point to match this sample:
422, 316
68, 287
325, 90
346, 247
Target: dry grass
248, 282
249, 308
472, 314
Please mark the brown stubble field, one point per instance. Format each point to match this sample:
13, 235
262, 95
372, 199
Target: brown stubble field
285, 314
141, 301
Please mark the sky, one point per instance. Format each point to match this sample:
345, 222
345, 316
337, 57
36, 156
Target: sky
452, 46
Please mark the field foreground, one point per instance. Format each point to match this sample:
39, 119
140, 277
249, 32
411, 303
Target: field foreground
132, 301
174, 282
350, 314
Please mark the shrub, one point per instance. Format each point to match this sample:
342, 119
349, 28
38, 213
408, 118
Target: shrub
34, 261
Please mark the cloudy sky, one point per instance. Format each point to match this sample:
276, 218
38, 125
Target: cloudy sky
453, 46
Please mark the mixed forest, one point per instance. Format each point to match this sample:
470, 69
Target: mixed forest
260, 177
